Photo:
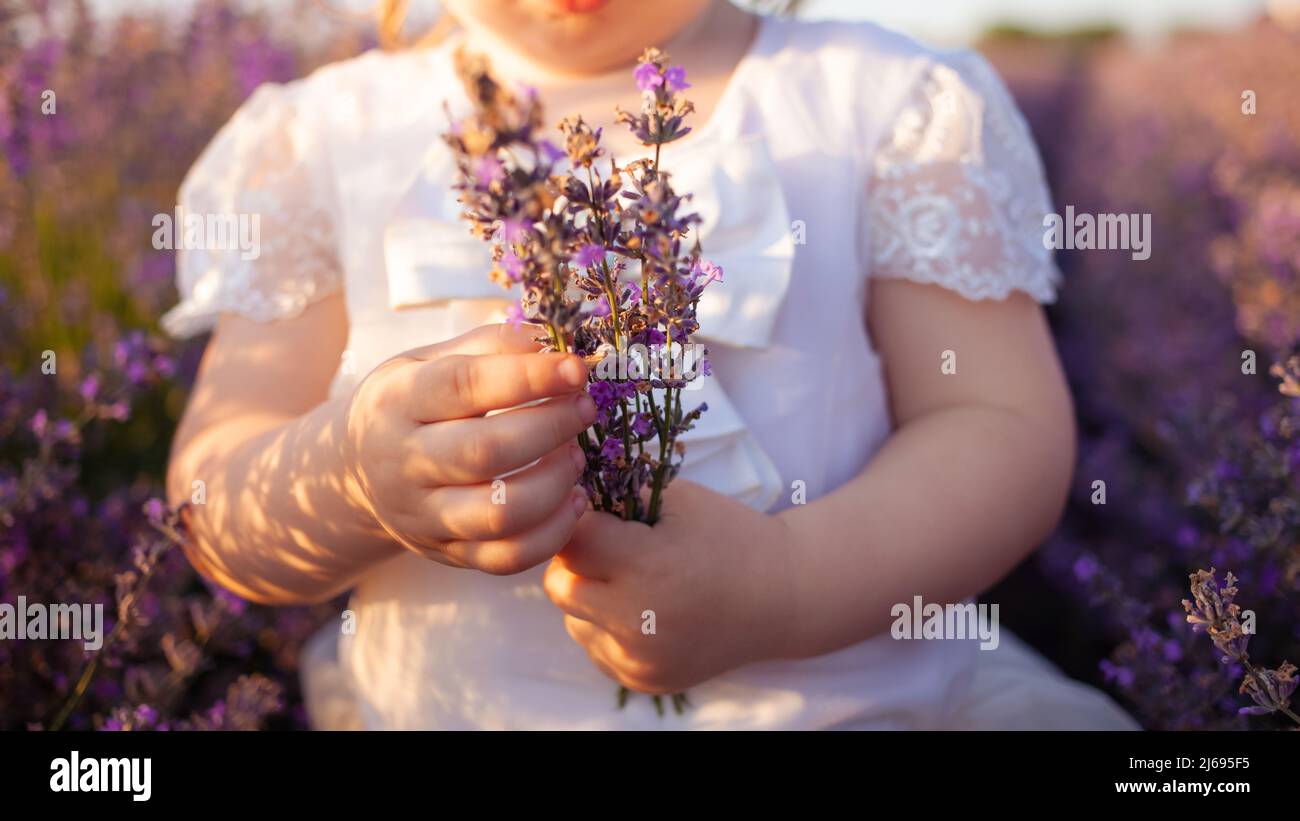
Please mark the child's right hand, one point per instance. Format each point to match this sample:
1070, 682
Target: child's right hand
424, 456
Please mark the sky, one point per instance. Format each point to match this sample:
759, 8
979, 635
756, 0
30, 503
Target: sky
951, 21
959, 20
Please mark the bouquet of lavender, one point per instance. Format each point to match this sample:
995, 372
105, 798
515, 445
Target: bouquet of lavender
605, 260
607, 265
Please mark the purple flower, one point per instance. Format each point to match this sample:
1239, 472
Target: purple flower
514, 315
675, 77
1122, 676
40, 422
1085, 568
513, 265
164, 366
514, 229
604, 394
1172, 650
589, 255
648, 77
230, 601
89, 388
642, 424
551, 151
488, 169
137, 372
611, 448
707, 269
155, 510
1271, 689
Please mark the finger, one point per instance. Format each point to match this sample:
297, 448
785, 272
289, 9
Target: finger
468, 451
593, 639
575, 595
601, 648
425, 545
504, 557
509, 505
485, 339
601, 546
584, 635
456, 387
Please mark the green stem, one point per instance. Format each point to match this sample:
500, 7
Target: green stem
92, 667
83, 684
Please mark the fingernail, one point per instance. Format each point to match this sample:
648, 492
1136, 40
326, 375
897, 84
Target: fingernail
573, 371
586, 408
579, 503
579, 458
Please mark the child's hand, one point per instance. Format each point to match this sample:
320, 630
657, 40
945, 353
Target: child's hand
712, 571
424, 456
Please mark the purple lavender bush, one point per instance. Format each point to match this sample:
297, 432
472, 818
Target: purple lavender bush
89, 394
1169, 358
174, 652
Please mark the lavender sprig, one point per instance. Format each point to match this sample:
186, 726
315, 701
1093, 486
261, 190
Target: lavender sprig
606, 261
1212, 609
508, 187
131, 586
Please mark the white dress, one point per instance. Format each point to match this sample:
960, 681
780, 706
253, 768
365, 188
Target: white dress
837, 152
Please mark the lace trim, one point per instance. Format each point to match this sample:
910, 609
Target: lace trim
265, 166
958, 194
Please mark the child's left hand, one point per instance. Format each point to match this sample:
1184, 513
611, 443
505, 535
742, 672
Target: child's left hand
660, 609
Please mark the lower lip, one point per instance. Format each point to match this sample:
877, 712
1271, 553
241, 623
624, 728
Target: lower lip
579, 6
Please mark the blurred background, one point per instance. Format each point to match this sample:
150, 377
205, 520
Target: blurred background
1137, 108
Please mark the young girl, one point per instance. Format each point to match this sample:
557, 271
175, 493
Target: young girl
887, 417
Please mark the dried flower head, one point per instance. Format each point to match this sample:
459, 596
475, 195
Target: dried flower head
663, 113
1213, 610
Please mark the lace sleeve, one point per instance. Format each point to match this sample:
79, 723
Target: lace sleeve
957, 195
255, 233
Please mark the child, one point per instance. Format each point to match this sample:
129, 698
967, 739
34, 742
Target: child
887, 417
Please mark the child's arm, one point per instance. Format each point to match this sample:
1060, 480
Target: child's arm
301, 493
972, 479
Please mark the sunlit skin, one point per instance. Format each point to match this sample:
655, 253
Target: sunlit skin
578, 37
305, 494
973, 477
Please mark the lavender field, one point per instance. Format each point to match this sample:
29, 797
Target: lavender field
1188, 399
